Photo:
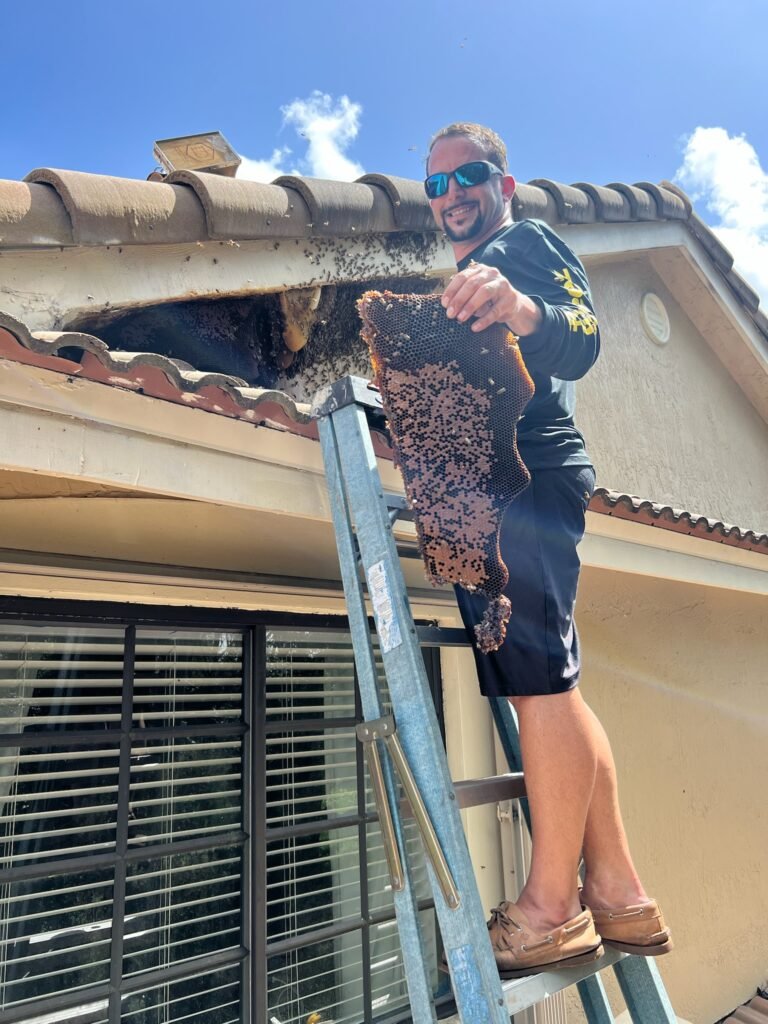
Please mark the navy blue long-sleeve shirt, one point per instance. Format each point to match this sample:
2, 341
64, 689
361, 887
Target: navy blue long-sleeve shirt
538, 263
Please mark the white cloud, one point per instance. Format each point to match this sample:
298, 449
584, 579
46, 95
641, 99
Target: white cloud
724, 172
263, 170
329, 126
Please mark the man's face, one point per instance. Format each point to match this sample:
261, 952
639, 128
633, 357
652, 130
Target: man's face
466, 214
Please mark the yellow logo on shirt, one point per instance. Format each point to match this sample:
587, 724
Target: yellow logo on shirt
582, 318
565, 279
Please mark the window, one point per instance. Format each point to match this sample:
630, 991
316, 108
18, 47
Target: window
187, 832
332, 946
122, 843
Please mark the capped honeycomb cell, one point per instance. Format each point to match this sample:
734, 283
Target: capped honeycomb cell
453, 398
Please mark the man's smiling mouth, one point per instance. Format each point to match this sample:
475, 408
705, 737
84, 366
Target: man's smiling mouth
461, 211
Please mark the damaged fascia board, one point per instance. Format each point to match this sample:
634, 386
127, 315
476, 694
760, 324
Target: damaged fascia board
51, 289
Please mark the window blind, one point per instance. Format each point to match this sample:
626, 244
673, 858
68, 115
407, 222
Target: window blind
124, 844
330, 909
85, 787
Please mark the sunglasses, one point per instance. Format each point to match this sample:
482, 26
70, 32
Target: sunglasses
476, 172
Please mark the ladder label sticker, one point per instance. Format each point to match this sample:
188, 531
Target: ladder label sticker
384, 613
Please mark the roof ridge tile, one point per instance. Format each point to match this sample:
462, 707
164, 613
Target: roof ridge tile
53, 207
106, 210
670, 186
744, 290
714, 247
574, 205
237, 208
611, 205
530, 202
669, 205
32, 213
342, 207
642, 204
409, 202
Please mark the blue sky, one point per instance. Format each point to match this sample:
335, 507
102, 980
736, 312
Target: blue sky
591, 91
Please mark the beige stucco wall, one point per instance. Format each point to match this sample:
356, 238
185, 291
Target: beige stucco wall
679, 676
669, 423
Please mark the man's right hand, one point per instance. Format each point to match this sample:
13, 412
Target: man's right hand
483, 292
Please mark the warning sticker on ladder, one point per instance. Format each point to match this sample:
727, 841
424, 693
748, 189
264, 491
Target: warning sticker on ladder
384, 613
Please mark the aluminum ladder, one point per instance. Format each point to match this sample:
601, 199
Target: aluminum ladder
407, 746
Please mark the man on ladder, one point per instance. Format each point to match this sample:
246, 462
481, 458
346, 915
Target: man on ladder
521, 274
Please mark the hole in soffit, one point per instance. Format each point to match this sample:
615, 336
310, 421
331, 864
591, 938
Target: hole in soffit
244, 336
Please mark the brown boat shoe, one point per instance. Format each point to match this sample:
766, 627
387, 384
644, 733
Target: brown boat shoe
519, 950
638, 929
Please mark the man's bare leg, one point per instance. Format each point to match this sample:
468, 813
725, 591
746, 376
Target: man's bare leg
560, 764
571, 785
611, 879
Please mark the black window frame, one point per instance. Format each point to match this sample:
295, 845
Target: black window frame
255, 949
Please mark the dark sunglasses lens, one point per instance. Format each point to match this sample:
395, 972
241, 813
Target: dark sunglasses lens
436, 185
475, 173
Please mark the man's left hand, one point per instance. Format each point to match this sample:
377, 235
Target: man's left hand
483, 292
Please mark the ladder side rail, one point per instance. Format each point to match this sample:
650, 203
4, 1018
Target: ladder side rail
594, 1000
407, 911
476, 984
406, 906
644, 991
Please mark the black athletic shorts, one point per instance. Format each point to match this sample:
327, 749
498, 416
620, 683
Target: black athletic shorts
539, 535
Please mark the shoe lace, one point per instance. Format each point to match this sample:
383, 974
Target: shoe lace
500, 916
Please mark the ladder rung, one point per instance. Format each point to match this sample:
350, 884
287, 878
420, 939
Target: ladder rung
474, 792
408, 551
396, 503
524, 992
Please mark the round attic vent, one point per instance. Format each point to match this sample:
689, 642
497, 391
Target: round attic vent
655, 318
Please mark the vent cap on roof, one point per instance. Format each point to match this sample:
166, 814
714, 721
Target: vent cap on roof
208, 152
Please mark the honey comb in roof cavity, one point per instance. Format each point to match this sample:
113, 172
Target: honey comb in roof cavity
453, 398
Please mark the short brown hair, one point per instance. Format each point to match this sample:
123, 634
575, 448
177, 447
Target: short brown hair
485, 138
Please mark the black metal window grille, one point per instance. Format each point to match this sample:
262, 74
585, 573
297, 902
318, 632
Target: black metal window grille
121, 835
187, 830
